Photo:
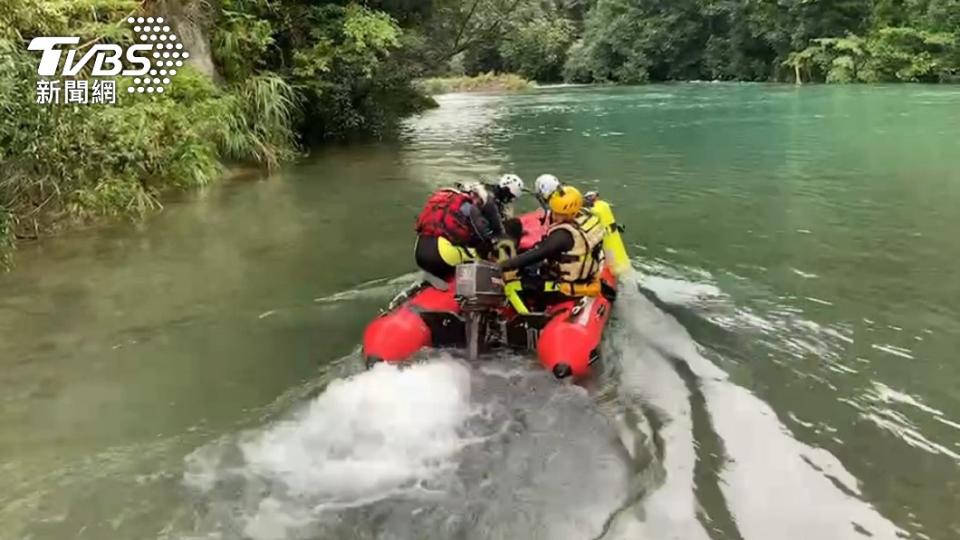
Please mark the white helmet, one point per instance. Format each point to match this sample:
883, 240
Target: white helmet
512, 183
546, 184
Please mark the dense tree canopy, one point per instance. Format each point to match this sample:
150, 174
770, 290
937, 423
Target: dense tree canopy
632, 41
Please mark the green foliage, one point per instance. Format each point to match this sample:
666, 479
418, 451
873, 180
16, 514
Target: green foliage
369, 32
338, 59
911, 55
889, 55
260, 116
89, 19
479, 83
288, 72
837, 60
538, 49
577, 68
471, 37
483, 58
241, 41
632, 41
7, 238
345, 76
458, 26
66, 164
351, 38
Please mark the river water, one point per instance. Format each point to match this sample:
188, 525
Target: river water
783, 364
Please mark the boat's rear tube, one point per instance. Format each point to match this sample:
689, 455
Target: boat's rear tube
396, 336
567, 344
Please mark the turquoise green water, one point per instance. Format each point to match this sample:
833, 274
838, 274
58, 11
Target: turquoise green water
789, 370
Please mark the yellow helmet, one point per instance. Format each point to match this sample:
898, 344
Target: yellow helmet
566, 201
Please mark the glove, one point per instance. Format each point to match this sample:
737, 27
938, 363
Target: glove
607, 291
532, 282
486, 250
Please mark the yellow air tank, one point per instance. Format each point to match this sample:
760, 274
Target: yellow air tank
612, 241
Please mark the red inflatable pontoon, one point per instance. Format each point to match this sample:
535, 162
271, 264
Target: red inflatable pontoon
566, 336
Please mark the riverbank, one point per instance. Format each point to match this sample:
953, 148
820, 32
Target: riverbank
484, 82
236, 101
67, 168
36, 225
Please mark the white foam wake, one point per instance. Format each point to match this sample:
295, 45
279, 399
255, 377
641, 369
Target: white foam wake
380, 433
670, 509
775, 485
369, 434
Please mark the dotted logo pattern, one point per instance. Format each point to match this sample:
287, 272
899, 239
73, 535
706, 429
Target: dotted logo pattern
168, 54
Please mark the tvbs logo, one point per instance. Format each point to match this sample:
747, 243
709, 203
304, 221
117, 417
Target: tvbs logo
152, 61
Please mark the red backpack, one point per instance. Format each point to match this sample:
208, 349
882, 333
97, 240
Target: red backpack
441, 217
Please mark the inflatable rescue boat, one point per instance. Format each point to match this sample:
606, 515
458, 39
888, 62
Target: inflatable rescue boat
479, 312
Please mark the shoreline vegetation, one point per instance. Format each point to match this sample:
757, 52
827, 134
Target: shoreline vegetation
483, 82
267, 79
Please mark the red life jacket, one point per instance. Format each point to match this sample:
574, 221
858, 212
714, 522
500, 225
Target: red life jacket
441, 217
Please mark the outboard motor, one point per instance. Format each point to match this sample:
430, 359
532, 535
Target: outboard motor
479, 291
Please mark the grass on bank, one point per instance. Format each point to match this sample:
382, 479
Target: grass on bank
484, 82
69, 165
66, 165
288, 74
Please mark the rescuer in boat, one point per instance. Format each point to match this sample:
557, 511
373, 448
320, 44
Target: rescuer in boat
506, 192
462, 224
571, 252
547, 184
616, 253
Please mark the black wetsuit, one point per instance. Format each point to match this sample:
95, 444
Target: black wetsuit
427, 254
555, 244
485, 221
501, 197
552, 247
